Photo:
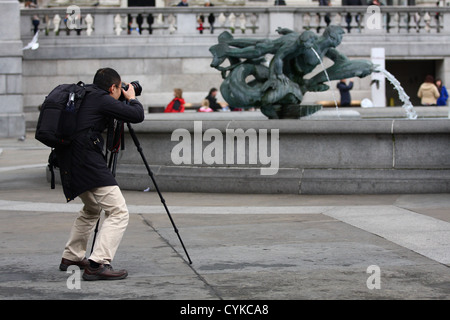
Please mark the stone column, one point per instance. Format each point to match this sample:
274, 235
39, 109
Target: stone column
12, 120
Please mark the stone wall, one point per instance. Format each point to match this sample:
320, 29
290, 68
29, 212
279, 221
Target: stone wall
163, 60
12, 123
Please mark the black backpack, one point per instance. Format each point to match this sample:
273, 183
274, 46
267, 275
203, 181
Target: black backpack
57, 121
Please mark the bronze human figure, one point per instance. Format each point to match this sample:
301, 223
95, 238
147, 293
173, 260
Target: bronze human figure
280, 86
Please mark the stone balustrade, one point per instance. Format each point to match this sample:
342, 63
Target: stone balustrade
100, 22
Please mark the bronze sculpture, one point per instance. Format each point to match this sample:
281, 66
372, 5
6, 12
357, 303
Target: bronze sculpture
278, 89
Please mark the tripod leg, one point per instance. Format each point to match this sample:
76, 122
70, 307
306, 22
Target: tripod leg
150, 173
95, 234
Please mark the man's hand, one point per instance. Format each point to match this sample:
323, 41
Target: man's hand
129, 94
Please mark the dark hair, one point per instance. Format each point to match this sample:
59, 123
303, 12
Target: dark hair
429, 78
106, 77
212, 90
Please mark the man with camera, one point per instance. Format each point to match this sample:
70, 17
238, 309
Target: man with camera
84, 173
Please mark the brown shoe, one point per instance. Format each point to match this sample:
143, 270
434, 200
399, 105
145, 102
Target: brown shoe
65, 263
103, 272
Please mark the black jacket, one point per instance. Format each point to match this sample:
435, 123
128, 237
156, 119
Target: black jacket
213, 104
82, 164
344, 90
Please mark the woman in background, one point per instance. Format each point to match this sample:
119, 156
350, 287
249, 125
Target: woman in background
442, 100
428, 92
177, 104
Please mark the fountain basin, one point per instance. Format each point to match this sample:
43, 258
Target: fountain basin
346, 156
295, 111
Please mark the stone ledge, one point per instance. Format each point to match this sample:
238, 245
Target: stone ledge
287, 181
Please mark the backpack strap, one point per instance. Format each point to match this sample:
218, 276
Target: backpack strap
52, 163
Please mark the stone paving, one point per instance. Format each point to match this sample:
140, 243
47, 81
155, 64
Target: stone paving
243, 246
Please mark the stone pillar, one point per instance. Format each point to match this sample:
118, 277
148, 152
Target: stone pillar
104, 24
278, 18
12, 120
378, 92
186, 22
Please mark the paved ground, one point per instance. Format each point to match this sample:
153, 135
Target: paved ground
242, 246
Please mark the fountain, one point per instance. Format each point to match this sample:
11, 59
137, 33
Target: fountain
245, 152
407, 105
329, 81
279, 88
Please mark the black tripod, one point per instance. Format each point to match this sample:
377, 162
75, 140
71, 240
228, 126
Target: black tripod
116, 142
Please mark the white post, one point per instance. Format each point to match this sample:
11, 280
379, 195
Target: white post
378, 87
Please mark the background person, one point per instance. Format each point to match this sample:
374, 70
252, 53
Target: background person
344, 90
183, 3
327, 16
348, 17
205, 106
178, 103
443, 94
428, 92
211, 18
213, 104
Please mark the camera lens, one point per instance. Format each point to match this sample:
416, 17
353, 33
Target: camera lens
137, 87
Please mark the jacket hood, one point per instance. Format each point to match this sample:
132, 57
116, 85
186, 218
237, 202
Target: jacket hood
427, 85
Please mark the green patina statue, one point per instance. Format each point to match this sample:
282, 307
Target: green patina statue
279, 88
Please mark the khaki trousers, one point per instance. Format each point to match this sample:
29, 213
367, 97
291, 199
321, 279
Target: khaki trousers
111, 201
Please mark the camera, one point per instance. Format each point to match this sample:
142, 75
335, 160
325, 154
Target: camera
137, 89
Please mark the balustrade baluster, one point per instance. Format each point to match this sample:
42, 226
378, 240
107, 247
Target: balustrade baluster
403, 22
158, 24
89, 23
306, 21
56, 21
412, 22
427, 22
118, 24
336, 19
232, 22
242, 22
133, 27
438, 22
318, 21
172, 21
144, 27
253, 21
